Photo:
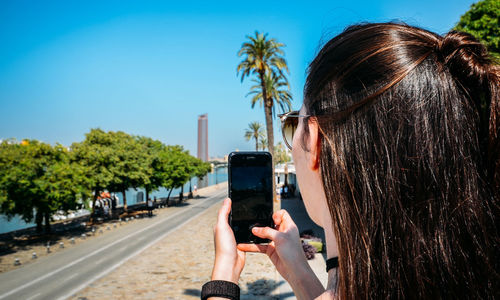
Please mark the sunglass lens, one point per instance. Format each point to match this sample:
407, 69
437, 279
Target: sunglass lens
289, 128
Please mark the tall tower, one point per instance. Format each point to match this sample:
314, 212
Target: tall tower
203, 137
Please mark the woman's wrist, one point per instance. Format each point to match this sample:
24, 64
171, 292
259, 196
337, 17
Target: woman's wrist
305, 283
224, 273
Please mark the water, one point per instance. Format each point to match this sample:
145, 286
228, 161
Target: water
17, 223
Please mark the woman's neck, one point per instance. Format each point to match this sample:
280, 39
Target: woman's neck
331, 242
331, 251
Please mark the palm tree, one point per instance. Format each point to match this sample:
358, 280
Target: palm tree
277, 89
263, 56
254, 131
262, 143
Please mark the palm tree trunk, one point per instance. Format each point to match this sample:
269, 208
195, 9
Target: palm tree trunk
270, 135
256, 144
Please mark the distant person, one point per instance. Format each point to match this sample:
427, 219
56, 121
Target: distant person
106, 210
150, 207
292, 189
397, 156
114, 201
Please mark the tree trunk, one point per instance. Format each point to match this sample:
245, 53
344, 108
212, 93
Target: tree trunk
147, 195
268, 111
190, 195
125, 208
181, 195
168, 196
256, 144
47, 223
39, 220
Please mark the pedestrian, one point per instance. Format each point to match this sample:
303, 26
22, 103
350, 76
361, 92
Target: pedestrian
396, 150
150, 207
106, 211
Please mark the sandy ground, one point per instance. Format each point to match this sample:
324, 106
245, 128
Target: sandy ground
177, 266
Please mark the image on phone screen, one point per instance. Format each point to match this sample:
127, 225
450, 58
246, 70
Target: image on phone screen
251, 194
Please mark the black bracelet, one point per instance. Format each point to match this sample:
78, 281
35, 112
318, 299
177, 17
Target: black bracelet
332, 263
220, 288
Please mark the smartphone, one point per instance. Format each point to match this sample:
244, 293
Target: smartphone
251, 193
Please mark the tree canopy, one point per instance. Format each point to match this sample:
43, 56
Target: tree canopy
38, 179
280, 154
263, 57
255, 131
482, 21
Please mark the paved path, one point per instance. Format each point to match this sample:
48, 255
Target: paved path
62, 274
178, 265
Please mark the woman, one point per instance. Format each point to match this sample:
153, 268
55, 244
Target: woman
396, 151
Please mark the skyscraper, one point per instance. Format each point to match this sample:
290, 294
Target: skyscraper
203, 137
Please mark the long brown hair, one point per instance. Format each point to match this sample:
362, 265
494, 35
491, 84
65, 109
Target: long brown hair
410, 130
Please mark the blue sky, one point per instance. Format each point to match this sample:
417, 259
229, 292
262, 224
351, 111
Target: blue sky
151, 67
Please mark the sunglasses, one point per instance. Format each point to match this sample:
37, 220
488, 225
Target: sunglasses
289, 123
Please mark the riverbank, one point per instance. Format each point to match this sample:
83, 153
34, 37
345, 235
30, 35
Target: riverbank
22, 244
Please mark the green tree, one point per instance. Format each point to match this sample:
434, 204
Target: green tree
482, 21
254, 131
132, 168
97, 156
115, 161
154, 165
177, 168
263, 143
263, 56
37, 179
198, 169
201, 168
280, 154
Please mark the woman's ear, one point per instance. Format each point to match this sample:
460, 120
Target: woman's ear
314, 143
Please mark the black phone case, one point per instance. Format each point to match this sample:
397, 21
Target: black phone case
253, 239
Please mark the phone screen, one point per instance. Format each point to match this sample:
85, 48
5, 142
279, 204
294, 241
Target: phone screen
251, 192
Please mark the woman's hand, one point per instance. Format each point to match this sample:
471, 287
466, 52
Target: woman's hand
229, 261
285, 250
